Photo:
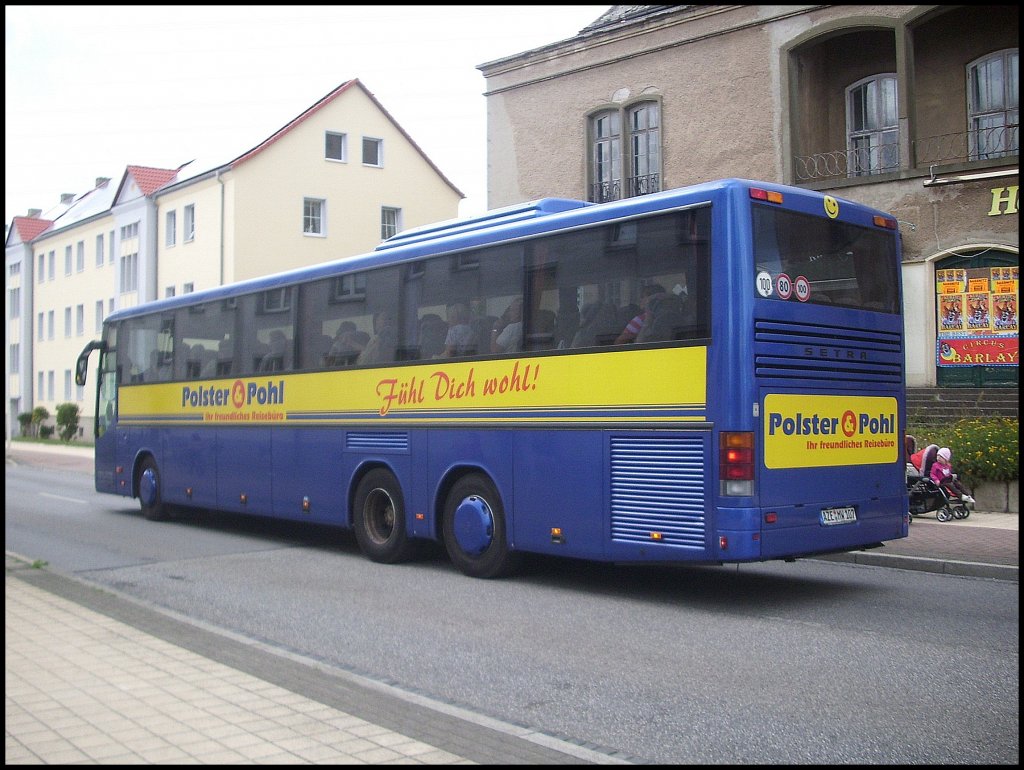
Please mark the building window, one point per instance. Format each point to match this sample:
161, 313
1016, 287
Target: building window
110, 252
42, 268
312, 216
169, 291
67, 260
373, 152
130, 257
389, 224
14, 269
605, 157
80, 320
67, 322
351, 286
39, 334
39, 386
15, 364
635, 157
99, 316
80, 258
993, 105
172, 225
189, 229
67, 384
872, 131
49, 385
99, 250
14, 298
51, 322
335, 146
644, 148
129, 272
51, 272
188, 288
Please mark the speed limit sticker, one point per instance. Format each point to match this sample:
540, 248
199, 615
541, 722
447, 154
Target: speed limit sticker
784, 286
764, 283
802, 287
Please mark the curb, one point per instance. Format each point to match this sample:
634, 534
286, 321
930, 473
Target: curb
922, 564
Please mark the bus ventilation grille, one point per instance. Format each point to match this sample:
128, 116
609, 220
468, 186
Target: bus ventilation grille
658, 487
362, 440
791, 353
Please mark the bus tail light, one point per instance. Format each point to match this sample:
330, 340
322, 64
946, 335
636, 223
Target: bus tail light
765, 195
736, 463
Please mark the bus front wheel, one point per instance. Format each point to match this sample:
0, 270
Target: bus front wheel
475, 532
378, 519
150, 493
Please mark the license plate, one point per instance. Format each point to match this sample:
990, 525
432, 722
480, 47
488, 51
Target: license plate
833, 516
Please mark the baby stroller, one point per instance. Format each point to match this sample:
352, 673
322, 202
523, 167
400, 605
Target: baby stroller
924, 494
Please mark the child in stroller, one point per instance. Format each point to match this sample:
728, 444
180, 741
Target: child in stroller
925, 493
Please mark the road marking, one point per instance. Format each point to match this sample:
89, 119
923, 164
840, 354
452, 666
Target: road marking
65, 499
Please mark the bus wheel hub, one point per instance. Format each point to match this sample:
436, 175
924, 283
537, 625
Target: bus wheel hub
473, 525
147, 487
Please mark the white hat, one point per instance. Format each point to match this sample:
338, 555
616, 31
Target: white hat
944, 453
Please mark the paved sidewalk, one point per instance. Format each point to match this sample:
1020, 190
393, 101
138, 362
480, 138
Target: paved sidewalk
81, 687
92, 677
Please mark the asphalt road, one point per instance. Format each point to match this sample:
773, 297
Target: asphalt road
812, 662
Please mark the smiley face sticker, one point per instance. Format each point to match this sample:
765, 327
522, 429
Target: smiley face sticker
831, 207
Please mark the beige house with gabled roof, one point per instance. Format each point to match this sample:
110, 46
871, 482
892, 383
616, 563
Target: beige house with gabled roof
332, 182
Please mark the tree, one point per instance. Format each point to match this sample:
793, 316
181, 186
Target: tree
67, 421
25, 421
39, 415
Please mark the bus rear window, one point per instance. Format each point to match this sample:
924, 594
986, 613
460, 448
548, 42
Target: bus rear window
803, 258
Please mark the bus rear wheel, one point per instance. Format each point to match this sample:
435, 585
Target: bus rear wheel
150, 492
378, 519
475, 532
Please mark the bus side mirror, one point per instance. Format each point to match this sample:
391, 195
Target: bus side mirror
82, 365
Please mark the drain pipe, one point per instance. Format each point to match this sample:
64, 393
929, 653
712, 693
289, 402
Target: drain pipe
221, 183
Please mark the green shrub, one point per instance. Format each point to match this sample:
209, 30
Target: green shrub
67, 421
984, 448
39, 415
46, 431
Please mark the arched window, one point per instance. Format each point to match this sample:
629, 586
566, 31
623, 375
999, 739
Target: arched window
605, 157
872, 130
634, 156
645, 148
993, 105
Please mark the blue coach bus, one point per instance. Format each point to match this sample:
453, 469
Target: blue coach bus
710, 374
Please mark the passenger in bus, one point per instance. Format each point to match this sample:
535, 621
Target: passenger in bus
629, 334
598, 325
381, 347
541, 335
507, 334
669, 317
274, 360
461, 339
433, 331
348, 343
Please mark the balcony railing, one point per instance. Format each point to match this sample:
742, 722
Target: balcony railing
880, 159
602, 192
965, 147
982, 144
